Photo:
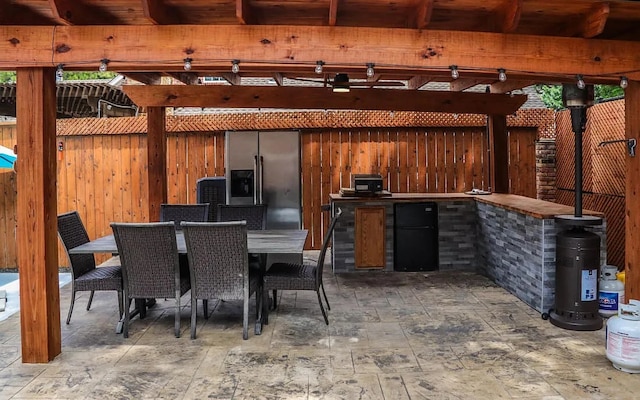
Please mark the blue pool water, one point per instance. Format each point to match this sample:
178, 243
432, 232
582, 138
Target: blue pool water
7, 277
9, 282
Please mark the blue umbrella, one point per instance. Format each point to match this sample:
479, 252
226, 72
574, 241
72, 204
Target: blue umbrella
7, 157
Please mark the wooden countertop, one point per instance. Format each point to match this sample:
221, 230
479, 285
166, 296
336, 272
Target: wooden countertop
403, 196
526, 205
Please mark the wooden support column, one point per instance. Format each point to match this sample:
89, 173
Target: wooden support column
632, 215
157, 160
499, 153
37, 238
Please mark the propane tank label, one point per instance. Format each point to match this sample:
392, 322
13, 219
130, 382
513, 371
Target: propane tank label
589, 284
622, 346
609, 301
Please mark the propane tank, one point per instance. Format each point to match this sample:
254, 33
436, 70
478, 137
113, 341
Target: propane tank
623, 338
611, 291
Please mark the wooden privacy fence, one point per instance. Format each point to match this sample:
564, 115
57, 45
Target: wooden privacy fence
603, 174
103, 175
436, 160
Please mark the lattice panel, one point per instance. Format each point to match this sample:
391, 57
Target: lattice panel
542, 119
602, 166
564, 151
613, 208
101, 126
607, 122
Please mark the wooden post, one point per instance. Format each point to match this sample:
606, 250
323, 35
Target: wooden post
632, 170
157, 160
36, 213
499, 154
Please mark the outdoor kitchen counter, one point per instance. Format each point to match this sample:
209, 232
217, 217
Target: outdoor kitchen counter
507, 237
526, 205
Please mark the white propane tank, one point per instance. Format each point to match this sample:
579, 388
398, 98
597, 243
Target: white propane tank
623, 338
611, 291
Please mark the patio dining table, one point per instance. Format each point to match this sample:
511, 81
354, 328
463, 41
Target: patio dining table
277, 241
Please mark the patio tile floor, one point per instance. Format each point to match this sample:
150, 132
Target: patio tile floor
391, 336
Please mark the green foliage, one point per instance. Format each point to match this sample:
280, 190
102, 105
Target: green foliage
551, 95
10, 76
7, 77
84, 75
603, 92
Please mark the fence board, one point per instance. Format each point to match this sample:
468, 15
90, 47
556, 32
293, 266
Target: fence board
307, 185
316, 198
104, 176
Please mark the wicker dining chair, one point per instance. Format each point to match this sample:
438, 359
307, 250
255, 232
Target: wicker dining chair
219, 268
150, 265
86, 276
254, 214
289, 276
184, 212
256, 217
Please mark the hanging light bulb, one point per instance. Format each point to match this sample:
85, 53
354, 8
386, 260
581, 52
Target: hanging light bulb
235, 66
60, 73
624, 82
103, 65
454, 71
187, 64
370, 71
580, 82
319, 65
502, 75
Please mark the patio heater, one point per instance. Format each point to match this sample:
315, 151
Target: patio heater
577, 250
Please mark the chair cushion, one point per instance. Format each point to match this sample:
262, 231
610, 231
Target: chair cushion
289, 276
107, 276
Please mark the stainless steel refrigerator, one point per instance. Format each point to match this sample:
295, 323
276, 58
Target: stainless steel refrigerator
264, 168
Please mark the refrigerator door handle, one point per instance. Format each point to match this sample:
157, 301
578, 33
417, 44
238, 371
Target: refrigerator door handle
255, 179
261, 177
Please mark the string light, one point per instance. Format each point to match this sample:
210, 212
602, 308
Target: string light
235, 66
624, 82
454, 71
502, 75
187, 64
319, 65
60, 73
580, 82
370, 71
103, 65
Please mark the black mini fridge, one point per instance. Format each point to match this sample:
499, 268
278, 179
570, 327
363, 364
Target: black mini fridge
416, 236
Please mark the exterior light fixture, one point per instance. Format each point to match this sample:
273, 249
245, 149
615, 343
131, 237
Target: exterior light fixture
454, 71
580, 82
370, 71
235, 66
502, 75
319, 65
104, 65
624, 82
60, 73
187, 64
341, 83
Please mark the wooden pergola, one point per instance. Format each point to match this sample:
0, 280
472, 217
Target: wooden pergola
406, 43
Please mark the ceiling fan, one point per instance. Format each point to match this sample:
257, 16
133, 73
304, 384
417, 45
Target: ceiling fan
342, 83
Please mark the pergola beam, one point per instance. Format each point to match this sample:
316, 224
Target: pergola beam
322, 98
157, 47
509, 16
159, 13
595, 21
424, 11
333, 12
73, 12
